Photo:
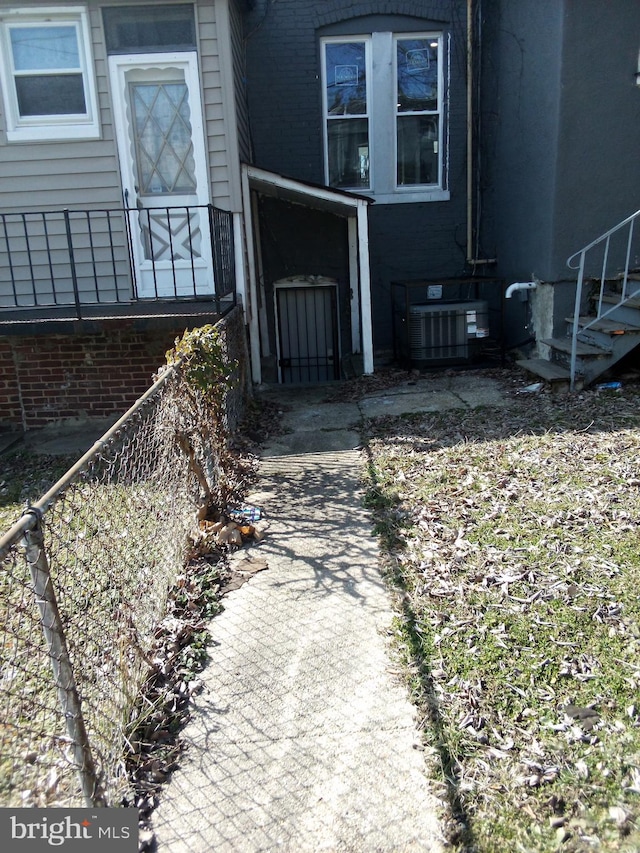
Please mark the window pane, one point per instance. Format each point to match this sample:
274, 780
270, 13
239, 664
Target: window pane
136, 29
51, 95
43, 48
417, 68
346, 78
162, 133
348, 152
418, 150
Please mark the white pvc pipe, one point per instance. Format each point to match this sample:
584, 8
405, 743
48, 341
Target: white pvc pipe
520, 285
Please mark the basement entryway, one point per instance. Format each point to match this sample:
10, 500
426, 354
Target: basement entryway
293, 227
307, 323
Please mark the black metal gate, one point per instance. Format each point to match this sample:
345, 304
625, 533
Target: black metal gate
308, 334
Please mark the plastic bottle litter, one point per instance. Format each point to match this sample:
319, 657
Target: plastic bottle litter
244, 513
609, 386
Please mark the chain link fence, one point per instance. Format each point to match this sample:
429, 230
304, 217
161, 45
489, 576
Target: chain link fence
85, 576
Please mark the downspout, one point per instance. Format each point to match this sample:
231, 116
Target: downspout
469, 133
472, 259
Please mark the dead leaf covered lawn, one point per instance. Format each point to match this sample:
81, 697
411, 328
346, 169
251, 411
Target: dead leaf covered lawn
513, 536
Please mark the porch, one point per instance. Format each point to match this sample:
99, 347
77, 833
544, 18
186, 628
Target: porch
94, 265
90, 301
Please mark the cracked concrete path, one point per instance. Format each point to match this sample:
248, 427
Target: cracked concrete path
303, 738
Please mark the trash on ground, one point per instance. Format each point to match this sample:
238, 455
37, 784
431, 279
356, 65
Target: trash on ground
208, 535
242, 570
244, 513
531, 389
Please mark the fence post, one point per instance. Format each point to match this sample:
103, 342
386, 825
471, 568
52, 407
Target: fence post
60, 662
214, 257
72, 262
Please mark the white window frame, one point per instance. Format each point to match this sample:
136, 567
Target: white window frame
381, 59
47, 127
366, 40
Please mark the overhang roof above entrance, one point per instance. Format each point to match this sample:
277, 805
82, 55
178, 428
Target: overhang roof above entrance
353, 208
339, 202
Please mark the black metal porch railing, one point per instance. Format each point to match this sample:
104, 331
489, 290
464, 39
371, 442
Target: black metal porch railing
71, 262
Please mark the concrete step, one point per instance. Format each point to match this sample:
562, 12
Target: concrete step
614, 298
564, 345
547, 370
606, 326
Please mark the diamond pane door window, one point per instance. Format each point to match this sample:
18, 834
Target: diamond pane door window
163, 138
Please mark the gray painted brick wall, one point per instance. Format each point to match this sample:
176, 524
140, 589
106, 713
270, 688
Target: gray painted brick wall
408, 241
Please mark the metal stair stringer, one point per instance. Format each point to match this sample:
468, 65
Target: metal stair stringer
597, 341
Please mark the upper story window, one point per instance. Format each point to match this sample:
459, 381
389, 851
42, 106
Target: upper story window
384, 116
47, 75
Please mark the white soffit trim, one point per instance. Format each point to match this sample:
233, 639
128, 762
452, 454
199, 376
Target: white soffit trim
339, 202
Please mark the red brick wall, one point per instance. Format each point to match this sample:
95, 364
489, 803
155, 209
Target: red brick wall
47, 378
10, 410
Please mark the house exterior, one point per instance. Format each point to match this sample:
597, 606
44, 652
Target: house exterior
364, 178
121, 139
558, 130
494, 138
367, 96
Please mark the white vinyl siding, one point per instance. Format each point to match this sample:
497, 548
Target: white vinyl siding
212, 94
85, 174
65, 173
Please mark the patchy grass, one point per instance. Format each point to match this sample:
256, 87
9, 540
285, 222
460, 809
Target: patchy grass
24, 477
109, 544
512, 535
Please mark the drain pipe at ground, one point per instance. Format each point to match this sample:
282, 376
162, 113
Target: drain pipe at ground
520, 285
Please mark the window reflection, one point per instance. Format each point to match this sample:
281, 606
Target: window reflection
346, 78
348, 153
417, 74
417, 150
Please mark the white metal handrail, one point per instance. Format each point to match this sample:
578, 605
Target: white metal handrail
577, 261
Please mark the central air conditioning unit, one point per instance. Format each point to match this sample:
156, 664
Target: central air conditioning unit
446, 331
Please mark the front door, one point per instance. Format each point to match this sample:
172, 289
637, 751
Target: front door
307, 333
159, 130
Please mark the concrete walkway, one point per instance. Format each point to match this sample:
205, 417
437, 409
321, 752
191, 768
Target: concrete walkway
303, 738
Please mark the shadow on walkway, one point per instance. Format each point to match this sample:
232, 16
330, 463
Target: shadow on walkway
302, 739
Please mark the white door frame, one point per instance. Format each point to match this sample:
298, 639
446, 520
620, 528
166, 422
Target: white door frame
179, 277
